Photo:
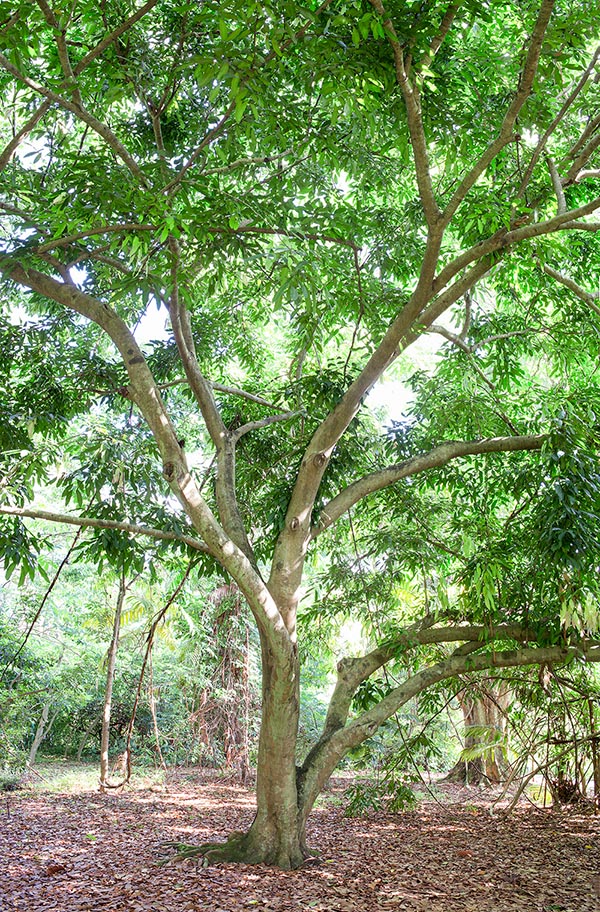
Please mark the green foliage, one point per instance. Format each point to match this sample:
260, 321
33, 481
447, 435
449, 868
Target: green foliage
264, 175
391, 794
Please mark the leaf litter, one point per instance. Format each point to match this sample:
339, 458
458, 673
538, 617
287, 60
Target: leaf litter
86, 852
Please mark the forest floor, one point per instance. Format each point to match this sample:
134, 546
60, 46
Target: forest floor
79, 851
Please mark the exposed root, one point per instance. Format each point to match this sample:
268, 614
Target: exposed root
240, 847
235, 849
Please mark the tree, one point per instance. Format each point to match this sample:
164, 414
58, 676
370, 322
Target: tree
305, 192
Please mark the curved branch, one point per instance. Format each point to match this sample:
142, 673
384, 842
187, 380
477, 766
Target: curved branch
439, 456
333, 745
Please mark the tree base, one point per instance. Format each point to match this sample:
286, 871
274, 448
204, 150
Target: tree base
241, 848
475, 773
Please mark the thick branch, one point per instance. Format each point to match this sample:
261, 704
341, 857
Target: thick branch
220, 434
356, 731
439, 456
328, 752
353, 671
503, 238
145, 393
558, 187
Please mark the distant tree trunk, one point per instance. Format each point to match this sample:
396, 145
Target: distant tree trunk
40, 733
152, 704
84, 740
110, 677
223, 711
484, 720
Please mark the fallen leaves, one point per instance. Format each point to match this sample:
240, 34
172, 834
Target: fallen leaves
94, 852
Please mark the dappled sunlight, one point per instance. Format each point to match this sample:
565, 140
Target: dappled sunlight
85, 851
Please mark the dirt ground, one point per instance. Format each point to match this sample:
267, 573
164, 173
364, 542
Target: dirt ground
82, 852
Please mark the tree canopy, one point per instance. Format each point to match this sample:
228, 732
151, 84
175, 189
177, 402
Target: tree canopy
302, 194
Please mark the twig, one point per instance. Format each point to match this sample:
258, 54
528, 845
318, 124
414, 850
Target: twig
45, 598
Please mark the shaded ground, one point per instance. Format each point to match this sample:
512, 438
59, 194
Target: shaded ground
86, 852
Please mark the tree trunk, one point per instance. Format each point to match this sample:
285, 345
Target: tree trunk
110, 677
277, 833
84, 739
484, 720
41, 730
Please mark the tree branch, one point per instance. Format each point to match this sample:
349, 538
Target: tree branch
559, 117
264, 422
336, 742
145, 393
86, 522
503, 238
23, 133
97, 125
63, 51
436, 458
583, 295
91, 232
445, 27
412, 104
558, 187
506, 129
582, 159
221, 436
112, 36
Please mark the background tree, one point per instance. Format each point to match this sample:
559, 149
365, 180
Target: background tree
305, 192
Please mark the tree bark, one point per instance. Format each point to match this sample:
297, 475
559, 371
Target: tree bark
276, 835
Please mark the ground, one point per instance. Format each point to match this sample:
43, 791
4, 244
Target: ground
78, 851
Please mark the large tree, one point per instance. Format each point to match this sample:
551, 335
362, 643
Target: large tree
305, 192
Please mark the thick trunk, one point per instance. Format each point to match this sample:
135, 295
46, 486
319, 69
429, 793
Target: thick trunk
274, 836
